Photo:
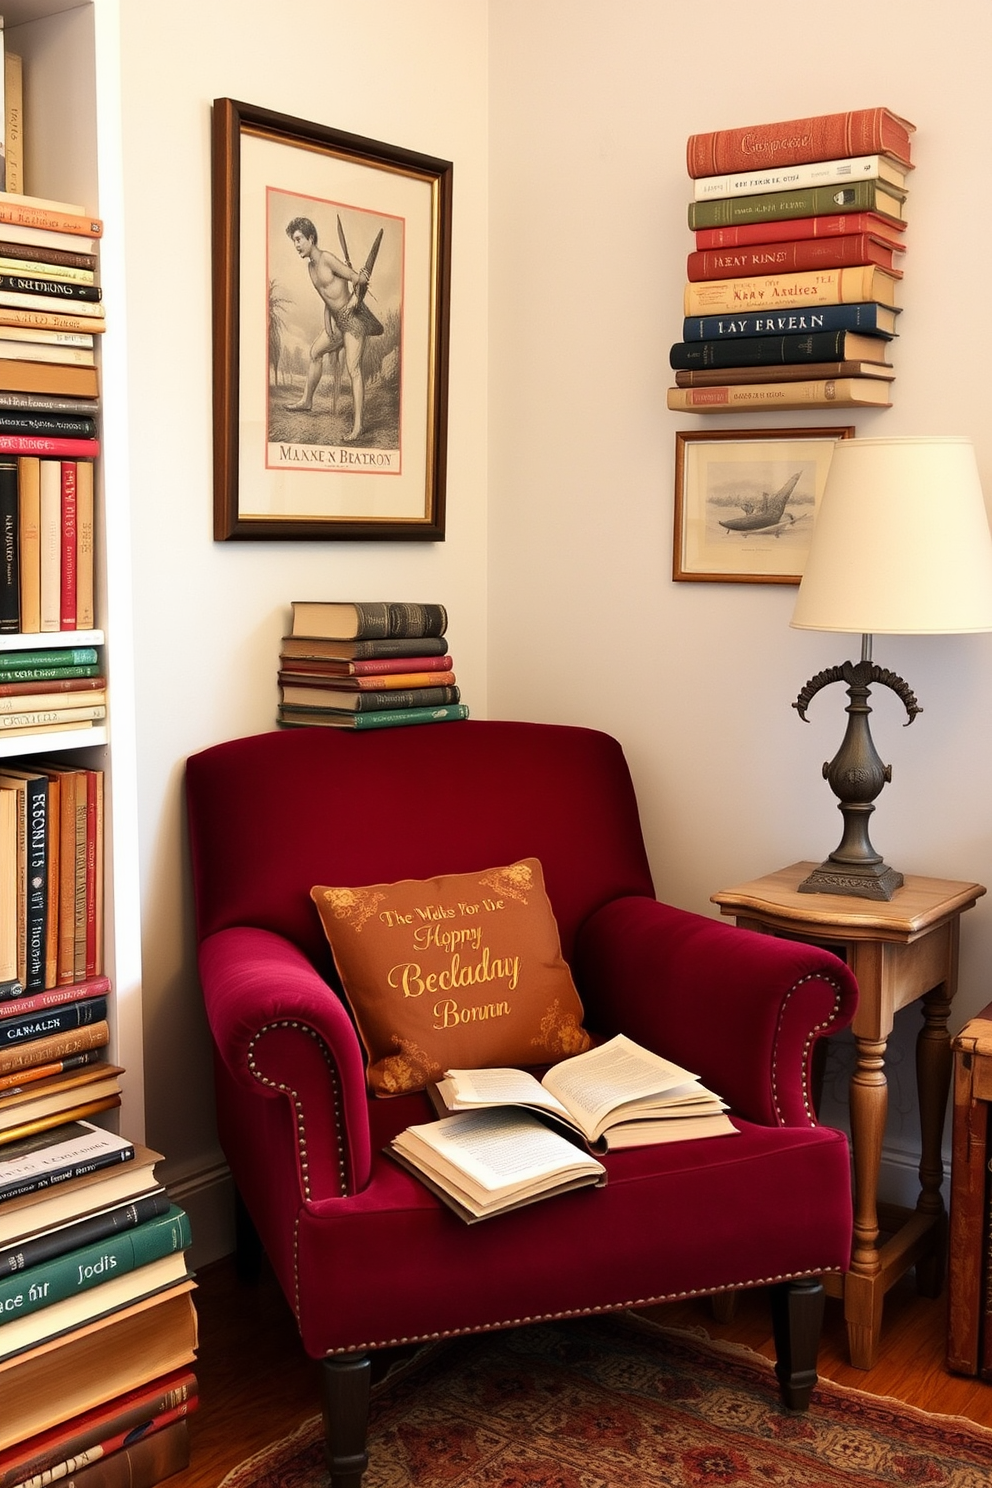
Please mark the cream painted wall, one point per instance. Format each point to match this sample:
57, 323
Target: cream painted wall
209, 615
589, 115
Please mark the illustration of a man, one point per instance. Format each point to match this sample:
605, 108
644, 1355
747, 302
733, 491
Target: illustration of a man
347, 319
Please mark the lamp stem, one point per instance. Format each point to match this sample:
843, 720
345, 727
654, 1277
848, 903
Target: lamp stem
866, 648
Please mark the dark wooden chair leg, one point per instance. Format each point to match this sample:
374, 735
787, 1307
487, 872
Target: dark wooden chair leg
797, 1316
346, 1382
248, 1249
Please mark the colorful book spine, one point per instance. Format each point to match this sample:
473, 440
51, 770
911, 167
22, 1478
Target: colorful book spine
55, 656
792, 257
46, 444
10, 578
811, 201
72, 1151
395, 718
381, 702
788, 177
871, 319
27, 1027
850, 286
841, 392
23, 214
796, 141
758, 351
833, 225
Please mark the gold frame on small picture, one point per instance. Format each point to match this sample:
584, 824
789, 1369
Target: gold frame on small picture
745, 500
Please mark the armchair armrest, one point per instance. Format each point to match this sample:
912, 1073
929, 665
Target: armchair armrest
739, 1009
281, 1032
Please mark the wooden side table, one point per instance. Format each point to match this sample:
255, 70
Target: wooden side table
900, 951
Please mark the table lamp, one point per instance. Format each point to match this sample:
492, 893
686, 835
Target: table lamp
901, 546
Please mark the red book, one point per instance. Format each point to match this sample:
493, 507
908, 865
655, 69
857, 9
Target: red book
70, 684
40, 1002
875, 131
44, 444
833, 225
373, 667
67, 603
387, 681
791, 257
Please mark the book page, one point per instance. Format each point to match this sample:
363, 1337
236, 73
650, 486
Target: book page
500, 1149
497, 1087
594, 1084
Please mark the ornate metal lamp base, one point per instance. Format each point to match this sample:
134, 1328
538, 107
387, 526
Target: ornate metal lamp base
865, 882
856, 776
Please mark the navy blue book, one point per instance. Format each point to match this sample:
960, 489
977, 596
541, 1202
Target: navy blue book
871, 319
52, 1020
59, 1241
778, 351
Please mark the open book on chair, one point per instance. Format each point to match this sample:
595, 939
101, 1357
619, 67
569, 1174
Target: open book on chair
617, 1095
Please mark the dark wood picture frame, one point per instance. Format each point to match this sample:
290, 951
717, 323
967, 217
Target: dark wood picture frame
330, 374
745, 474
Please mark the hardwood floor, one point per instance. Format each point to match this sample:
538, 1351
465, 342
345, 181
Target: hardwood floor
256, 1384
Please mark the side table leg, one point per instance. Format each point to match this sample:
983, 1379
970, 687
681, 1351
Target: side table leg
863, 1289
933, 1080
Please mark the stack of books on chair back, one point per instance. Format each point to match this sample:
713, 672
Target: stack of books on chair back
377, 664
792, 293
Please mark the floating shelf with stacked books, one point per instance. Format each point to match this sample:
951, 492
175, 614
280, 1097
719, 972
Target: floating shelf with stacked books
369, 665
792, 299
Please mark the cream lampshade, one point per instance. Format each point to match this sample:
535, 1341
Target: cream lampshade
901, 546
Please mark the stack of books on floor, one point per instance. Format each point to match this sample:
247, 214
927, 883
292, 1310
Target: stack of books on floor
378, 664
793, 287
97, 1325
51, 877
51, 690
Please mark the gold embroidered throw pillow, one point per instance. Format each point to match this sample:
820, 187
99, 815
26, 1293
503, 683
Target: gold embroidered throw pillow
459, 972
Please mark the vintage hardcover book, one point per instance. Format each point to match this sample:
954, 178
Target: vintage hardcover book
51, 285
42, 403
16, 789
52, 1452
31, 1056
57, 1155
616, 1095
35, 1214
391, 718
56, 353
65, 425
377, 682
43, 237
15, 697
482, 1163
717, 376
368, 620
90, 1267
42, 445
10, 579
141, 1462
62, 716
317, 648
47, 656
296, 668
53, 674
51, 258
67, 584
15, 263
840, 392
85, 530
47, 377
755, 351
61, 1240
812, 173
86, 310
833, 225
969, 1291
33, 319
32, 791
24, 1080
13, 108
808, 201
59, 1099
28, 1026
10, 983
34, 212
869, 319
29, 538
848, 286
96, 1362
793, 257
796, 141
308, 699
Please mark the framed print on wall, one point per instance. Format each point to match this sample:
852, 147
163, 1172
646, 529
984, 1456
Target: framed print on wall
745, 500
331, 281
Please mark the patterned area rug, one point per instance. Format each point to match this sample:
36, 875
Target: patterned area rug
618, 1402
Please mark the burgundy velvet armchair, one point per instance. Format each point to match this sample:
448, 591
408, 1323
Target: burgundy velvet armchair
367, 1257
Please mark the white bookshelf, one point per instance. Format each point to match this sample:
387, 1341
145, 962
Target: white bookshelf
72, 132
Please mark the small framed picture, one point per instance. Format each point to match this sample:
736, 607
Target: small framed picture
745, 500
331, 280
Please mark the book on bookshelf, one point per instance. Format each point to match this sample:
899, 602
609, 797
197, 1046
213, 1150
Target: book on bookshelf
832, 225
96, 1362
10, 603
389, 718
55, 1156
25, 1059
482, 1163
140, 1460
91, 989
50, 445
58, 1099
24, 1028
35, 212
59, 286
10, 983
47, 658
807, 201
29, 540
307, 698
367, 620
613, 1096
796, 141
772, 351
793, 257
43, 237
13, 109
26, 421
88, 1229
800, 372
870, 319
92, 1434
16, 262
810, 173
47, 377
22, 1081
321, 648
845, 286
32, 1216
81, 310
840, 392
48, 259
30, 320
59, 352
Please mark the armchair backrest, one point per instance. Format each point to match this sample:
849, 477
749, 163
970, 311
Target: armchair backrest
274, 814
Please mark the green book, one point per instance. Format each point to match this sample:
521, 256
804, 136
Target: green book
809, 201
46, 673
79, 1270
394, 718
56, 656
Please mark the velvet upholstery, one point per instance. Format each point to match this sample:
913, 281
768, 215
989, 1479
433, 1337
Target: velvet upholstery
366, 1256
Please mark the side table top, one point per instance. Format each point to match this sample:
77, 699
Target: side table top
920, 904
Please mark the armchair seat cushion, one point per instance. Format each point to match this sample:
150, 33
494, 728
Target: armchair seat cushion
721, 1212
